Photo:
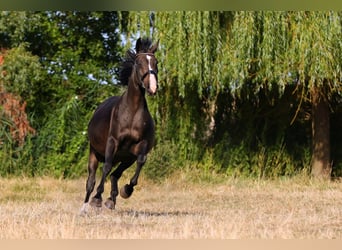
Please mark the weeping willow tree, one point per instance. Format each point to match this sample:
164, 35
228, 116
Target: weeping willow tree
217, 65
303, 49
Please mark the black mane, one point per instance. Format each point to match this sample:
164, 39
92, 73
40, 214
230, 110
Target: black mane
128, 61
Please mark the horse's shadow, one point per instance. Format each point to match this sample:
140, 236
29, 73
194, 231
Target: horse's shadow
89, 210
144, 213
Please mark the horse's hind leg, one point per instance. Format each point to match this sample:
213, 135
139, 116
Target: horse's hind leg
114, 177
107, 167
92, 167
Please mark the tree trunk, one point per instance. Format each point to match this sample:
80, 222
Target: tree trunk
321, 166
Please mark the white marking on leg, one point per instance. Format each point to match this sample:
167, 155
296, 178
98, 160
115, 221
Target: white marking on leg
84, 209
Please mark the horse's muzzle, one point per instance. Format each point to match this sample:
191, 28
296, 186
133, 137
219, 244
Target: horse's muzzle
152, 82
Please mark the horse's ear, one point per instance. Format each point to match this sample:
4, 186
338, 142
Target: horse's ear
154, 47
138, 45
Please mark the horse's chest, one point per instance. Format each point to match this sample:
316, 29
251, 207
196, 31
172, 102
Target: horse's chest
133, 130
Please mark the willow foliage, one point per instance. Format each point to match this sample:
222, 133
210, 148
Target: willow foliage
285, 48
316, 47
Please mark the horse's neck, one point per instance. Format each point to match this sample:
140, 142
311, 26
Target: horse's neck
135, 95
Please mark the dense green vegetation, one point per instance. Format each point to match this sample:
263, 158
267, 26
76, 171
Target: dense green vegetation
241, 93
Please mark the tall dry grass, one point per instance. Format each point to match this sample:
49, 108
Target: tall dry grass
45, 208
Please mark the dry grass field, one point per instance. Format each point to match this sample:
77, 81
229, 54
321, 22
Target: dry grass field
46, 208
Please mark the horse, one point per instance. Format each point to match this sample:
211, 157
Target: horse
121, 130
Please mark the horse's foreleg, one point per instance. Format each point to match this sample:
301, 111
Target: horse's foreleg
141, 151
114, 177
111, 148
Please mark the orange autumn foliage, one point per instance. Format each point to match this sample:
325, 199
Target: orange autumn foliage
14, 109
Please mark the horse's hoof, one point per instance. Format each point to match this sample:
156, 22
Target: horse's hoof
96, 202
126, 191
110, 204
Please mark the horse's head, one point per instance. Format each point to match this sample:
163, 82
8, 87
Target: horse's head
146, 65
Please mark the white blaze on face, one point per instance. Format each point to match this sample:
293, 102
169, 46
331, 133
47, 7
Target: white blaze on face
153, 80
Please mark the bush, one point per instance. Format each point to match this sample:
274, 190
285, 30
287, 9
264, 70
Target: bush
162, 161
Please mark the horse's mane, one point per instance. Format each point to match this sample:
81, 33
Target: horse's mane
128, 61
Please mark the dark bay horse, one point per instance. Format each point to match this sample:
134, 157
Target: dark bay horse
121, 130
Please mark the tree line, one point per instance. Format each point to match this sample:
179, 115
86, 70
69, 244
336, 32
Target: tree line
251, 93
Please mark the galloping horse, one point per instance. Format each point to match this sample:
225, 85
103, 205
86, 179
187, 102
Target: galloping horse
122, 129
